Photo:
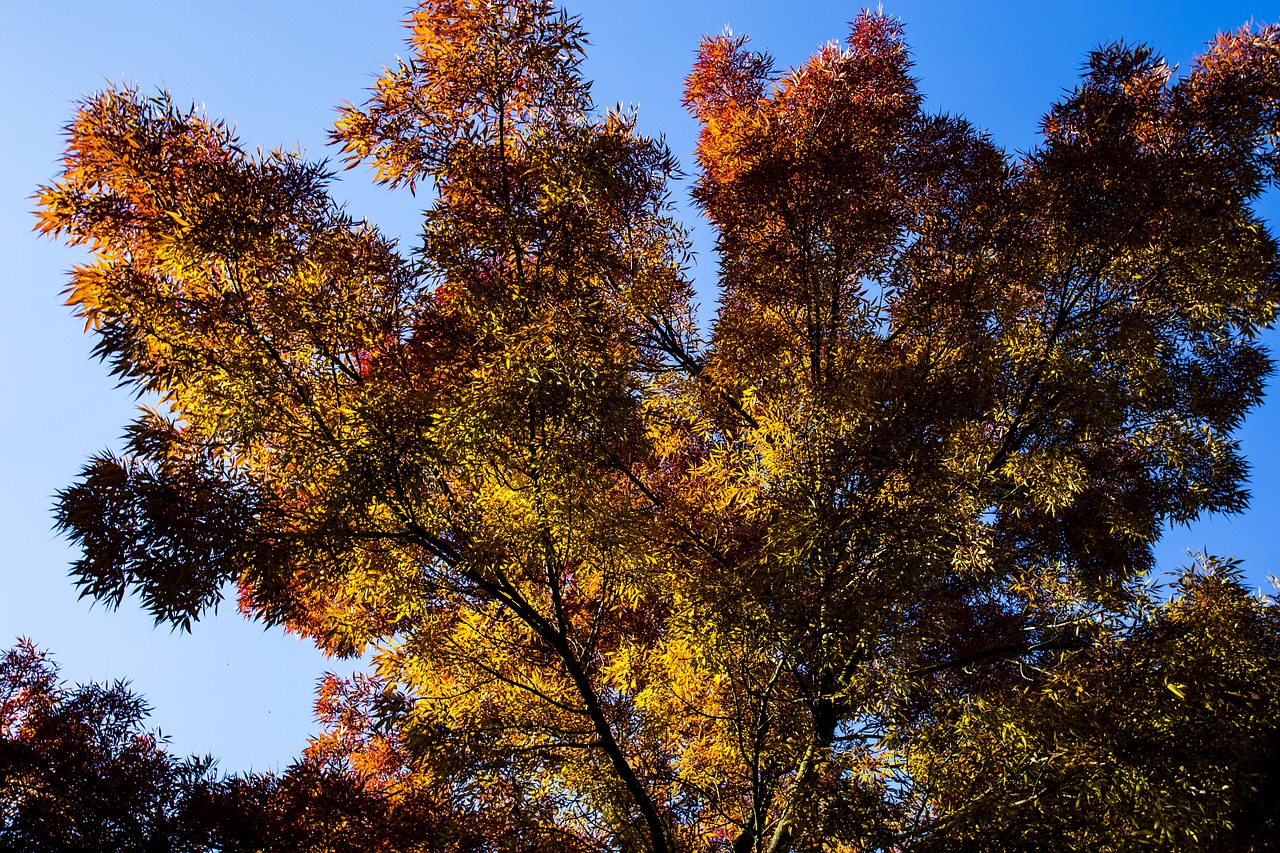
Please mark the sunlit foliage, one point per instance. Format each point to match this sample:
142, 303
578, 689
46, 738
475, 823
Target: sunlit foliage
795, 582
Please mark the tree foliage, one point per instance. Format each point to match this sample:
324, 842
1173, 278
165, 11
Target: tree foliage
857, 568
80, 773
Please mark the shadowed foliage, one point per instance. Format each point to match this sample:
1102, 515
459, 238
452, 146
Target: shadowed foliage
80, 772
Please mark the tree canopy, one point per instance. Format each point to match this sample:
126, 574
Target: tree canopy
858, 567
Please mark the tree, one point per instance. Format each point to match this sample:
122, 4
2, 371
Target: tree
1163, 736
79, 772
659, 590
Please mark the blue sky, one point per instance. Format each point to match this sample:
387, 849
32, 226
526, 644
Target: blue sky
276, 69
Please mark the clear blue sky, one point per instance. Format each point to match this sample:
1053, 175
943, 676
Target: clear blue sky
276, 69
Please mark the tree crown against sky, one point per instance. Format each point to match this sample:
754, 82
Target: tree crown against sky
80, 773
652, 589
